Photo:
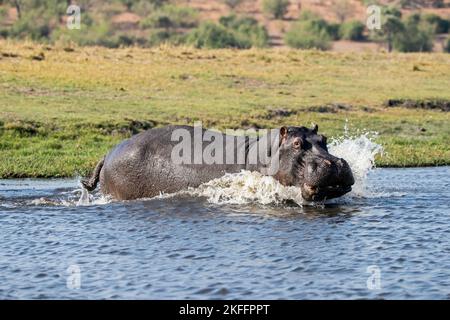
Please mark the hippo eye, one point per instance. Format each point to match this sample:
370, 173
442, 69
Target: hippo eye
297, 143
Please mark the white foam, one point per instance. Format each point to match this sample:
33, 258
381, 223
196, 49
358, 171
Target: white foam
359, 152
247, 187
76, 197
87, 199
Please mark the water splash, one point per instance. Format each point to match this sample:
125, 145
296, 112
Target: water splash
247, 187
84, 198
360, 152
88, 199
76, 197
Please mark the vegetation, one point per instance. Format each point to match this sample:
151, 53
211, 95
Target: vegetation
247, 29
231, 32
333, 30
439, 25
62, 108
353, 30
171, 16
391, 25
213, 36
447, 45
308, 35
414, 33
415, 36
310, 32
275, 8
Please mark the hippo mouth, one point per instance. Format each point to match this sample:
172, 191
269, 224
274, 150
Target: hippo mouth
320, 193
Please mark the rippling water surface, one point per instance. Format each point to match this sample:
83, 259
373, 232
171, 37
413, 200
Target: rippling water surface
188, 247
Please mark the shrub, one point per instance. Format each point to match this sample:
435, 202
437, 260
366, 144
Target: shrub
211, 35
95, 35
308, 15
158, 37
391, 26
333, 30
36, 24
3, 12
4, 33
247, 29
171, 16
125, 40
415, 36
353, 30
308, 34
447, 46
275, 8
439, 25
316, 19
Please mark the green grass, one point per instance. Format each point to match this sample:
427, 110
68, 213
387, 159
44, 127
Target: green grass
59, 115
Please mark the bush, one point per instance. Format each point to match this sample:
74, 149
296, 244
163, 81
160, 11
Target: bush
4, 33
158, 37
94, 35
316, 19
275, 8
391, 25
353, 30
3, 12
439, 25
35, 24
247, 29
308, 34
232, 31
415, 36
447, 46
170, 16
333, 30
211, 35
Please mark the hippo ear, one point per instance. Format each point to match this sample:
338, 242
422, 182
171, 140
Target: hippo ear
315, 128
283, 134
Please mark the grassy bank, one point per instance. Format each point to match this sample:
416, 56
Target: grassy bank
61, 108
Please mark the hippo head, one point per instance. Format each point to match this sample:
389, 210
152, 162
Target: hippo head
304, 161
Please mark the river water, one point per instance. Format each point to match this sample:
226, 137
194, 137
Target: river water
236, 238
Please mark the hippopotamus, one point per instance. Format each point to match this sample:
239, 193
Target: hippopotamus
144, 165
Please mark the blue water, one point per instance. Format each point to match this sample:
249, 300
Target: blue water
185, 247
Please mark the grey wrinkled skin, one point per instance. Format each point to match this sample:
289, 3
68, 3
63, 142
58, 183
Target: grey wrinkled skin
141, 167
